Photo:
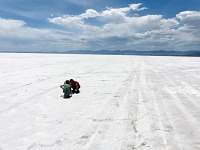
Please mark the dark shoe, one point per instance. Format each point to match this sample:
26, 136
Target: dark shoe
67, 96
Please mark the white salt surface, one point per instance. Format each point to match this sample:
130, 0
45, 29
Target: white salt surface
126, 102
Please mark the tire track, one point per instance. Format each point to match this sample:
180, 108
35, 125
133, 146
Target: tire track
176, 73
179, 115
149, 121
184, 95
108, 120
118, 121
166, 126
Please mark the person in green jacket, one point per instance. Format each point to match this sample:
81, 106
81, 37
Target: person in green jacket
66, 89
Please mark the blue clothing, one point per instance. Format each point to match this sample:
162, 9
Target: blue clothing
67, 89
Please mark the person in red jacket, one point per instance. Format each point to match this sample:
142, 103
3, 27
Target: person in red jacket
75, 86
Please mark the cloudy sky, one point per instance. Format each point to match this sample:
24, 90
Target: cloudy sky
61, 25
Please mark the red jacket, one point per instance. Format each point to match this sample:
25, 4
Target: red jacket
75, 85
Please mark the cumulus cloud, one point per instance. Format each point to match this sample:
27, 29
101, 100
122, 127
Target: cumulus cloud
90, 13
16, 29
75, 20
112, 28
110, 14
191, 19
114, 15
169, 23
10, 24
115, 21
191, 24
15, 35
67, 20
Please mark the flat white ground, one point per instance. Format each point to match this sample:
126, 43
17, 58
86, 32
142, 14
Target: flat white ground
126, 102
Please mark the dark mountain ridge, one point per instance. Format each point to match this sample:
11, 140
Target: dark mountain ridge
121, 52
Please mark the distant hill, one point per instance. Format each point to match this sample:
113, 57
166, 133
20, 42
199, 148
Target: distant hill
122, 52
135, 52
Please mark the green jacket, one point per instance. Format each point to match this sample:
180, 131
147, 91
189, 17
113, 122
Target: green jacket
67, 89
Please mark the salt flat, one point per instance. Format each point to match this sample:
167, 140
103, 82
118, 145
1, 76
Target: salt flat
126, 102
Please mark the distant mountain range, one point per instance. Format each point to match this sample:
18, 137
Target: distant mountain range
122, 52
135, 52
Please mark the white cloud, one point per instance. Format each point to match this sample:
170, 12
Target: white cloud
10, 24
191, 19
15, 29
189, 16
169, 23
116, 15
14, 35
74, 20
90, 13
67, 20
190, 29
113, 28
136, 7
144, 23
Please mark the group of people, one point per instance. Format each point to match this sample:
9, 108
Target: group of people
69, 87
